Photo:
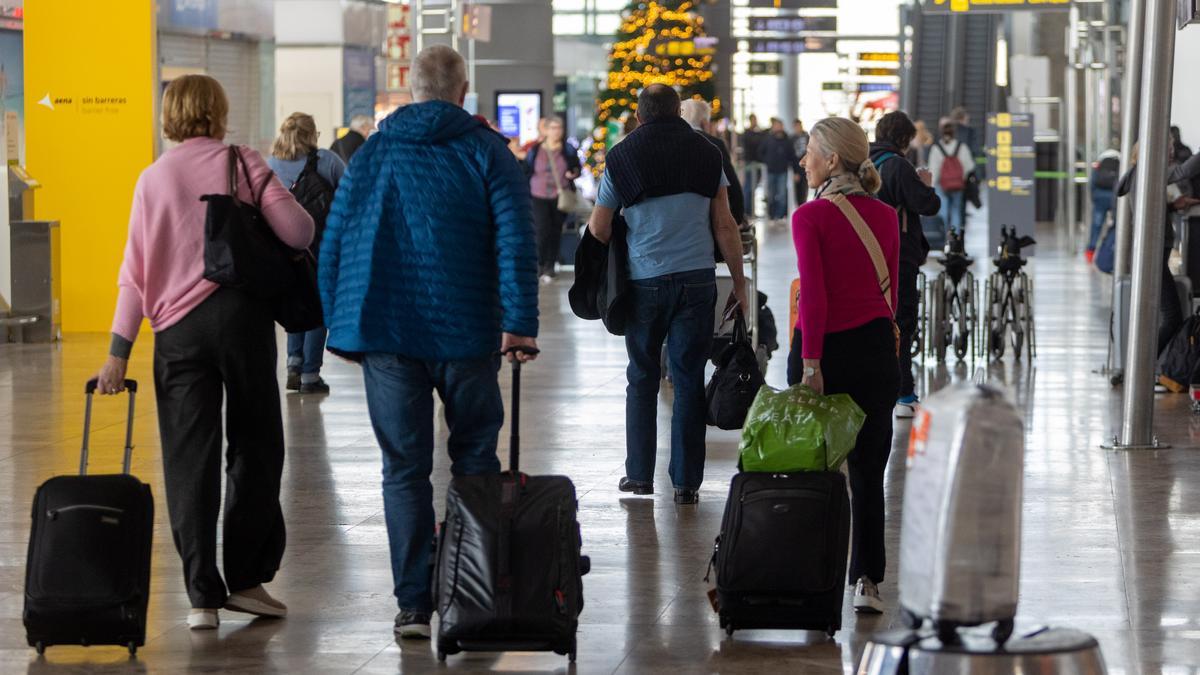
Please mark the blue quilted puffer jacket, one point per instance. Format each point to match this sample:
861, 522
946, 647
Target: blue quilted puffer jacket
429, 250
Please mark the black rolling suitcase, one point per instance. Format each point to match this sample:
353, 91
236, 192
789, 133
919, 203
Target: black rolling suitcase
509, 570
781, 556
87, 578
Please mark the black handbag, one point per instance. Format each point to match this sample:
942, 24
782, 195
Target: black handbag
241, 251
736, 381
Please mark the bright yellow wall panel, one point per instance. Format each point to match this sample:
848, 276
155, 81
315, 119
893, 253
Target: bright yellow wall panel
90, 90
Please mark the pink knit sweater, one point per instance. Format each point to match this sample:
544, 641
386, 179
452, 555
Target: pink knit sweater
162, 276
838, 286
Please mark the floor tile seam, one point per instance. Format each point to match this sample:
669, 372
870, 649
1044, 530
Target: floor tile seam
374, 656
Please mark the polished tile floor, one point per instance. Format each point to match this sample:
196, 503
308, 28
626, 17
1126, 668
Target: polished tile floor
1111, 539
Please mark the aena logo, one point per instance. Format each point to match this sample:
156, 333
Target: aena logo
47, 102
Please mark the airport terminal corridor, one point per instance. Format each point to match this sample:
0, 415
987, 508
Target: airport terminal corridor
1111, 540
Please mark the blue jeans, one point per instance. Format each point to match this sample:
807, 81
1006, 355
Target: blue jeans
1102, 202
749, 185
952, 209
400, 402
306, 351
777, 195
677, 309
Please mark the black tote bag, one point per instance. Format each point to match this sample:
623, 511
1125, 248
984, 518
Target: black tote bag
242, 251
736, 381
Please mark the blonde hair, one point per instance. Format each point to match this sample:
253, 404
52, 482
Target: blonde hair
194, 106
297, 137
840, 136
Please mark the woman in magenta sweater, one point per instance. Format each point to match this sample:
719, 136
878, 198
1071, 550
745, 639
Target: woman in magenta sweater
845, 340
210, 343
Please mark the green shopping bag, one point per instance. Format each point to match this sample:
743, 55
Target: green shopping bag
798, 429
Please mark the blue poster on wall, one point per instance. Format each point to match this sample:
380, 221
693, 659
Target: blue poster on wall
12, 84
198, 14
358, 82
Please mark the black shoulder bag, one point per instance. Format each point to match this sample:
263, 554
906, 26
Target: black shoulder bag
242, 251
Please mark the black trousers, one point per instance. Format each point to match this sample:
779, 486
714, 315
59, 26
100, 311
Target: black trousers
548, 226
1170, 314
861, 362
225, 348
906, 317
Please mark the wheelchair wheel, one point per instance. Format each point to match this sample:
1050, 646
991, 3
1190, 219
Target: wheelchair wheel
938, 318
1020, 320
996, 320
964, 325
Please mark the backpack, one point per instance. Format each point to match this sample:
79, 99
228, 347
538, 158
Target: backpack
1106, 173
953, 177
315, 194
1179, 362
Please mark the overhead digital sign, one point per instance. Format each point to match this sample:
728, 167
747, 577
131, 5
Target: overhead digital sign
793, 24
802, 45
986, 6
794, 4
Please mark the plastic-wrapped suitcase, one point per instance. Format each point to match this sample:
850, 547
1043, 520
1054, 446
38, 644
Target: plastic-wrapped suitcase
509, 574
960, 535
781, 556
87, 578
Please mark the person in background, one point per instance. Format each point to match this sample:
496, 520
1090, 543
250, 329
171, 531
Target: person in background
294, 150
214, 347
799, 146
910, 192
752, 139
1179, 151
698, 114
950, 160
966, 133
779, 156
844, 341
552, 167
917, 152
1103, 180
361, 126
423, 281
675, 204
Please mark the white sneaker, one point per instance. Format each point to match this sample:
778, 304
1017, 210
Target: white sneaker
203, 619
866, 597
256, 601
905, 411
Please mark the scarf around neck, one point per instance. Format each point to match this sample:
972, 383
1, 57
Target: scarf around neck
844, 183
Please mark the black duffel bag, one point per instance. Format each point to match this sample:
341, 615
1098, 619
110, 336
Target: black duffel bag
242, 251
736, 382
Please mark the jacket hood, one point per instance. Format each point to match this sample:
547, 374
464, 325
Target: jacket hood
429, 122
880, 147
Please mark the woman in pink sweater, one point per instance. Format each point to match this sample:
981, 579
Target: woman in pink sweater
844, 339
210, 343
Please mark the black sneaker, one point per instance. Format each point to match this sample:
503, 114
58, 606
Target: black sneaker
686, 496
318, 387
293, 381
412, 625
637, 487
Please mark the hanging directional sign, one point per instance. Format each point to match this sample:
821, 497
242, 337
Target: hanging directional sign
802, 45
793, 24
795, 4
765, 68
986, 6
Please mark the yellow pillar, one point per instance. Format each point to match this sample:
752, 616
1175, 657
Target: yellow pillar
90, 90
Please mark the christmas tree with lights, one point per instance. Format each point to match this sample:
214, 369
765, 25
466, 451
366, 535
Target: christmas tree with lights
657, 43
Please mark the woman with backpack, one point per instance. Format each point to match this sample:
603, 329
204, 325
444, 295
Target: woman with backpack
312, 175
950, 162
552, 167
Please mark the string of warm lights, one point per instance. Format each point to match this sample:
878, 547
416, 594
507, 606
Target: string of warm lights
635, 63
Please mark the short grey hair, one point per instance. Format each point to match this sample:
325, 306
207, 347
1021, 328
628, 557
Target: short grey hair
438, 74
695, 112
362, 123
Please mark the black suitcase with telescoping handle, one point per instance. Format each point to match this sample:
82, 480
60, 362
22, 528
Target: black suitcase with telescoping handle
509, 574
87, 578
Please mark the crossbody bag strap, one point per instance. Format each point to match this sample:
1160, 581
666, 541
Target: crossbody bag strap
553, 169
870, 242
233, 171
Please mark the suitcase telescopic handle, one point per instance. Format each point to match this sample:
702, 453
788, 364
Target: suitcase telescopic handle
514, 442
90, 390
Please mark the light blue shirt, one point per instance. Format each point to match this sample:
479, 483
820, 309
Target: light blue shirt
667, 235
329, 166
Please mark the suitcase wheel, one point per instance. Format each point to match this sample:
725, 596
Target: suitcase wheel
132, 649
441, 656
947, 632
831, 631
40, 647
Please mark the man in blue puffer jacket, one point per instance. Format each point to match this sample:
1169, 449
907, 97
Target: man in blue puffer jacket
428, 267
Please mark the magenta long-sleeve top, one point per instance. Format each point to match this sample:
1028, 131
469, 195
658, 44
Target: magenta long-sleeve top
162, 275
839, 289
